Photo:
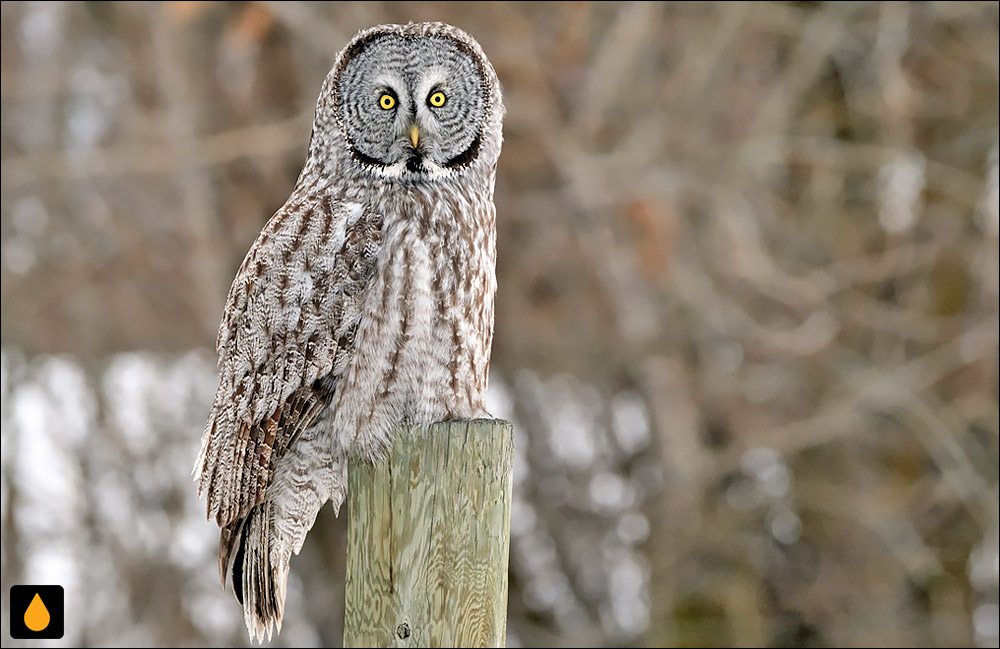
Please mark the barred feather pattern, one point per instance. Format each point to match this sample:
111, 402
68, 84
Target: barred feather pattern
365, 302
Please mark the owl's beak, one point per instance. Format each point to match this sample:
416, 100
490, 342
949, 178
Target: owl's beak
414, 135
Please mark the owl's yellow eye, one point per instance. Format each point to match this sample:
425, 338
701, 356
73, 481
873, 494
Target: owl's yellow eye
387, 101
437, 99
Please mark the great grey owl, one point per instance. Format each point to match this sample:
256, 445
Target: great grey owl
366, 301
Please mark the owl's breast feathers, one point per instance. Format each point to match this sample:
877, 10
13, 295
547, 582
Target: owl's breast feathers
422, 349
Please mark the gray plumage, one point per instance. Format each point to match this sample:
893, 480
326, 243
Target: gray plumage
366, 301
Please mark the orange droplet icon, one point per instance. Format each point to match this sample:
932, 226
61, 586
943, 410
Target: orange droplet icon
36, 617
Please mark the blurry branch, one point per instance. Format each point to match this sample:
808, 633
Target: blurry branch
879, 317
159, 158
820, 35
755, 266
676, 422
893, 392
616, 56
584, 183
884, 519
955, 182
197, 210
695, 75
941, 443
869, 269
302, 20
898, 95
730, 318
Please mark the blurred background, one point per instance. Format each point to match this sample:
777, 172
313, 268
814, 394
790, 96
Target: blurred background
746, 327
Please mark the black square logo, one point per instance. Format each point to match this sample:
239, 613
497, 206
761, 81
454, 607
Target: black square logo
36, 612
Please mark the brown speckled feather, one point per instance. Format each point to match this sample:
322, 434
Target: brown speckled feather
291, 311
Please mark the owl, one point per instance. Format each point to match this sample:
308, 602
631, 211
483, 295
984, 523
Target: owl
366, 301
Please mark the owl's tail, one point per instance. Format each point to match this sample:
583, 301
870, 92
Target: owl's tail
254, 552
258, 583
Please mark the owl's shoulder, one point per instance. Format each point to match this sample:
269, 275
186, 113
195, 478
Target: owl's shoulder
313, 252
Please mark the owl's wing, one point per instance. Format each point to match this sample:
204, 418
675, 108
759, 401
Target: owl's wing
285, 336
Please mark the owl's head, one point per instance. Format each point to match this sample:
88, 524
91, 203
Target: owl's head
414, 103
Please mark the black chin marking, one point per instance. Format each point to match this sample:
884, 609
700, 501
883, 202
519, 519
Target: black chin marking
415, 163
367, 159
465, 157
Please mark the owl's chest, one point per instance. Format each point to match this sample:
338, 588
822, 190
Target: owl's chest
429, 315
421, 353
429, 277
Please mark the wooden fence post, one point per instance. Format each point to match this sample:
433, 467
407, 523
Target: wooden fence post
429, 537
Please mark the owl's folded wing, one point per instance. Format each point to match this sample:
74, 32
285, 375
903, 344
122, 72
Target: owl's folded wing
285, 336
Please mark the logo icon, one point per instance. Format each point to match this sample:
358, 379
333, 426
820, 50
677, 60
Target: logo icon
36, 612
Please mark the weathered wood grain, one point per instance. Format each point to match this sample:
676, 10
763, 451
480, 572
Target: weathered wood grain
429, 537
